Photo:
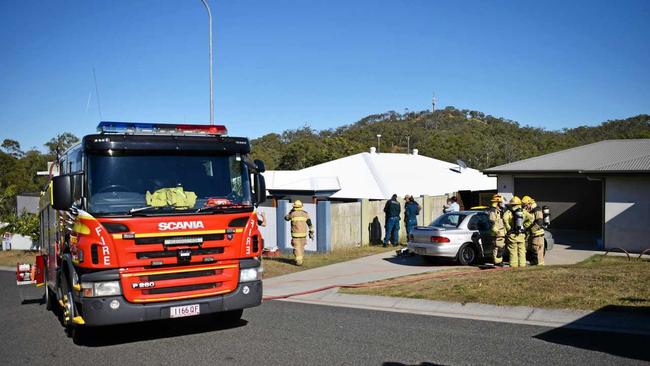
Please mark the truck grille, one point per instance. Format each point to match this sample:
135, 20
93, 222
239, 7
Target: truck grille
173, 253
169, 290
166, 284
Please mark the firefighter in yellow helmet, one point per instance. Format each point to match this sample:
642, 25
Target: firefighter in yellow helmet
497, 230
514, 221
301, 227
535, 232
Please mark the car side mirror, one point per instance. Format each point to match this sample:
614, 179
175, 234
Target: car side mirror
62, 198
260, 188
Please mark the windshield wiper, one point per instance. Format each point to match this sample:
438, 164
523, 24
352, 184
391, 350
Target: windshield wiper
145, 208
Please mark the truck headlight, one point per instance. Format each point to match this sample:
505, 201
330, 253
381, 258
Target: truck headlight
97, 289
250, 274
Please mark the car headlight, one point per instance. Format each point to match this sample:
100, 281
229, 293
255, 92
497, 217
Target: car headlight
96, 289
250, 274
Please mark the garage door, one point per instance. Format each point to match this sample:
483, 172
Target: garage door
576, 203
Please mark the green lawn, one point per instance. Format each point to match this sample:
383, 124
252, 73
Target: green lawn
277, 266
592, 284
11, 257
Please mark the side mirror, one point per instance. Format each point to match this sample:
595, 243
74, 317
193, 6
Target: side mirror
260, 188
259, 164
62, 192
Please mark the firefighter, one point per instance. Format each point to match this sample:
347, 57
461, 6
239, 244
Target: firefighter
536, 232
497, 230
513, 220
301, 227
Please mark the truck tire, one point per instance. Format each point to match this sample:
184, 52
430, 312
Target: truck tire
467, 254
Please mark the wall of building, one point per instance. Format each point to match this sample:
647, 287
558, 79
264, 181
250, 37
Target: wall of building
506, 185
349, 224
346, 225
18, 242
627, 213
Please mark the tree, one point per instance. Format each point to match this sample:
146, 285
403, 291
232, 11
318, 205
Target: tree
25, 224
12, 147
61, 143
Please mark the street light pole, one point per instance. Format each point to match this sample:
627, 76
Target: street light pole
207, 7
408, 144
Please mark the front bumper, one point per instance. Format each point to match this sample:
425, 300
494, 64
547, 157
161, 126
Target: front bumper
434, 249
96, 311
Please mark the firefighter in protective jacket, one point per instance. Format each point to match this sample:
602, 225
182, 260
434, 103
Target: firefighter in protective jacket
301, 227
515, 220
497, 229
535, 232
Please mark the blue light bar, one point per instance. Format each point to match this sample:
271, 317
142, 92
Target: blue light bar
139, 128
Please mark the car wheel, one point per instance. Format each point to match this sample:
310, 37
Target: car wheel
467, 254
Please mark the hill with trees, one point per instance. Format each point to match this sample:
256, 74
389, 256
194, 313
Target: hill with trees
482, 141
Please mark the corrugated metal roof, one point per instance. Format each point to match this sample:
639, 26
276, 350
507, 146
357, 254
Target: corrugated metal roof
605, 156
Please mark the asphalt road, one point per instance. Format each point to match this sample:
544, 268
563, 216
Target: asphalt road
283, 333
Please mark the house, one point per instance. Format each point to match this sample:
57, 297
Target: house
377, 176
602, 188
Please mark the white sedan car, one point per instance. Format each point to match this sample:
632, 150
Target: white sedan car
452, 235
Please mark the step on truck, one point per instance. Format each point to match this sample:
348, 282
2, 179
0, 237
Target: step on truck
152, 221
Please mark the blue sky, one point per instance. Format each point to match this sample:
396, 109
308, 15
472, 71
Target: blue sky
282, 64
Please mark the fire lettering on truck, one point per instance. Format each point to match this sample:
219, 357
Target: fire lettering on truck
107, 255
179, 225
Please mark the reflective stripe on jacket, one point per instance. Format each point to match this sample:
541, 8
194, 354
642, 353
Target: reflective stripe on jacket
300, 223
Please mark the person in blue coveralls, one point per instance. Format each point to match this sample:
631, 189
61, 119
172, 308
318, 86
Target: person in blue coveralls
392, 210
411, 212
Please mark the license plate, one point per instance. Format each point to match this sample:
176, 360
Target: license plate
182, 311
420, 251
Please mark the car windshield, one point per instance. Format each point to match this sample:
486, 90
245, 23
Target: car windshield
449, 220
121, 184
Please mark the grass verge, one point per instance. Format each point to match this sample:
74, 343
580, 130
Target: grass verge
9, 258
277, 266
592, 284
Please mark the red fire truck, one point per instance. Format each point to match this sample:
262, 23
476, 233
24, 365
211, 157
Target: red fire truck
153, 221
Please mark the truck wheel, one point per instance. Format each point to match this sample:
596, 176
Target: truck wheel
231, 317
467, 254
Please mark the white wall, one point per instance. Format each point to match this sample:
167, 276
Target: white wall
18, 242
269, 231
506, 186
627, 213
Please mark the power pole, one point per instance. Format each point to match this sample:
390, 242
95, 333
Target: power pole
207, 7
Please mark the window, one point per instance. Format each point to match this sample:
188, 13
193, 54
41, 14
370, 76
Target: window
119, 183
450, 220
478, 222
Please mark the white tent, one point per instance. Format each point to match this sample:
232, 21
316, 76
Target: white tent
379, 176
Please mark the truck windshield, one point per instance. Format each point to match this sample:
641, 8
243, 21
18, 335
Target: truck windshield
119, 184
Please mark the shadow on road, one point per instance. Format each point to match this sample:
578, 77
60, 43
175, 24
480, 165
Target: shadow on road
145, 331
417, 261
625, 345
403, 364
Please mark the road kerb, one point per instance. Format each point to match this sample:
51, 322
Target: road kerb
554, 318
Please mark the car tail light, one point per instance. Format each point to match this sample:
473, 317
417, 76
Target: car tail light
439, 239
